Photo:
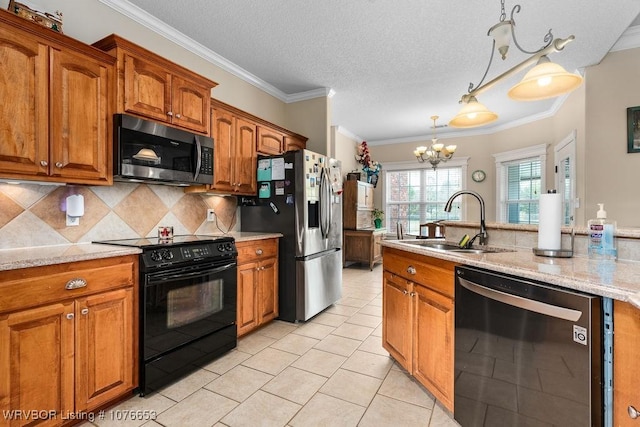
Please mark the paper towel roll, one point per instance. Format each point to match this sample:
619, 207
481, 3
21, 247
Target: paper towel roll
550, 219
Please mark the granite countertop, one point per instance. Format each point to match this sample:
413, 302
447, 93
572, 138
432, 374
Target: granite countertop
13, 259
614, 279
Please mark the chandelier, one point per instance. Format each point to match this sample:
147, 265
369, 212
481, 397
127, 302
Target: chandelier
437, 152
545, 80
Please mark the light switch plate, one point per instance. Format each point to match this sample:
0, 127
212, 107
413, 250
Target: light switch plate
211, 215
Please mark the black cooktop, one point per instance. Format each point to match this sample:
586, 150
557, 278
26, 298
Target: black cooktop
151, 242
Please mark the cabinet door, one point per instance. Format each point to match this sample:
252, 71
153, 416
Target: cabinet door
245, 161
190, 105
268, 290
147, 89
293, 144
396, 319
224, 149
36, 362
81, 117
269, 141
365, 195
247, 316
104, 348
24, 118
433, 341
626, 324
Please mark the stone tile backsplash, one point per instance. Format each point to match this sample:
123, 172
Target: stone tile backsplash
34, 215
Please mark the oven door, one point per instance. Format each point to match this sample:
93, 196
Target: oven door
186, 304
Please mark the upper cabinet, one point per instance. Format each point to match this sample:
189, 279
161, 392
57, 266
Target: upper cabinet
270, 141
234, 162
158, 89
239, 138
57, 124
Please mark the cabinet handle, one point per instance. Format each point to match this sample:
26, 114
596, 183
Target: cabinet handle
70, 316
412, 294
59, 165
411, 270
84, 311
76, 283
44, 163
633, 412
404, 292
258, 251
178, 116
169, 113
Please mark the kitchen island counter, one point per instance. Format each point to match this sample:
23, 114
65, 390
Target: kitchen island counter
619, 280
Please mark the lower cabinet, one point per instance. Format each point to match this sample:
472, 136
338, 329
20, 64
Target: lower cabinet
418, 319
626, 394
76, 351
257, 283
363, 246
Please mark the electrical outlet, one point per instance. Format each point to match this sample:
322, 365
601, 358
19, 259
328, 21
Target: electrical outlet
211, 215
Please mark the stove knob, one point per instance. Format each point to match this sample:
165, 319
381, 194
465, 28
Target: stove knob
155, 256
228, 247
221, 247
167, 254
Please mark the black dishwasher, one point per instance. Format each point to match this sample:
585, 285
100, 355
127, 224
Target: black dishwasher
526, 353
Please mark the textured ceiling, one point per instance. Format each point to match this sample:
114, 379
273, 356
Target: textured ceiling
393, 64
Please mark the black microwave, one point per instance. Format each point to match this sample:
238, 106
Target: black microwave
146, 151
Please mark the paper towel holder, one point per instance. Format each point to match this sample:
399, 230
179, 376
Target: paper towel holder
557, 253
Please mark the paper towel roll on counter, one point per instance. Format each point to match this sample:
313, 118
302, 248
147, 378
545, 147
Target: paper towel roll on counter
550, 220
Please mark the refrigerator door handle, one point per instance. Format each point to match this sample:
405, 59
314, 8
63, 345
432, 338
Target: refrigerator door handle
328, 201
323, 204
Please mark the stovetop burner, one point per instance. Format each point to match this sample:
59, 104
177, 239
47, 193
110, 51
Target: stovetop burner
149, 242
180, 250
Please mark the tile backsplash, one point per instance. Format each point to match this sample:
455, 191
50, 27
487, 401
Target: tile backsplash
34, 215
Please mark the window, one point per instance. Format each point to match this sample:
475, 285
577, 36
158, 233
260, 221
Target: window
520, 180
414, 195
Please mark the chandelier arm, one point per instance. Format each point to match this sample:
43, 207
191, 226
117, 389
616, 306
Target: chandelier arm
557, 45
471, 85
548, 38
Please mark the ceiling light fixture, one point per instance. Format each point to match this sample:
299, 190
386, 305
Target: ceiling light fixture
437, 152
545, 80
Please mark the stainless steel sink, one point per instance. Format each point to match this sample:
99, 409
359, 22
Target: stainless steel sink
450, 247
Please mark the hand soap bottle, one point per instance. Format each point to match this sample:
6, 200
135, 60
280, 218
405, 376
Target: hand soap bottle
601, 236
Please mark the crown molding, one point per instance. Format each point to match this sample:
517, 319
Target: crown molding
346, 132
149, 21
628, 40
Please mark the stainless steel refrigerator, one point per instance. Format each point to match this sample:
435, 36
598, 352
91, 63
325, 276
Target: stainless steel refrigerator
300, 196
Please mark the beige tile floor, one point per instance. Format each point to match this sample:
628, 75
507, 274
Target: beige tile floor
330, 371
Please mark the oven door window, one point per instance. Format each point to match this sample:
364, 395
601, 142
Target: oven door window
181, 307
192, 303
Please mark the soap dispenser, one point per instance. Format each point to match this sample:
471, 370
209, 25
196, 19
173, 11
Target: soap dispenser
602, 236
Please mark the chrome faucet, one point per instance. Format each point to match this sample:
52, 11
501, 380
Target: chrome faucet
483, 229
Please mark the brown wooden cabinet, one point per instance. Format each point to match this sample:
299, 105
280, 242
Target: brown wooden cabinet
362, 246
235, 160
257, 283
270, 141
294, 143
68, 350
154, 87
626, 329
357, 205
236, 136
57, 115
417, 318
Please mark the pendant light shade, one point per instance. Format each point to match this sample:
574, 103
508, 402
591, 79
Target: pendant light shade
473, 114
545, 80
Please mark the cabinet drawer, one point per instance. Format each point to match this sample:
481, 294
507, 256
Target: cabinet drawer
433, 273
256, 250
30, 287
